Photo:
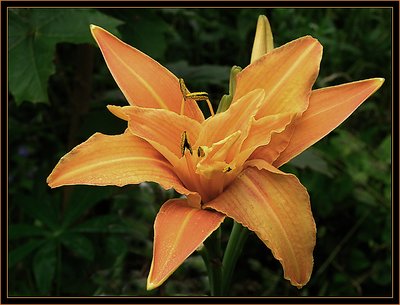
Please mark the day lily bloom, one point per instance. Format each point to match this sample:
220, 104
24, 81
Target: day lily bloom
225, 165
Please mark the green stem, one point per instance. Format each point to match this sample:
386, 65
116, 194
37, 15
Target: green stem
212, 255
234, 248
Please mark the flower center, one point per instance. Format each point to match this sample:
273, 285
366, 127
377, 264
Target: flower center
207, 169
209, 160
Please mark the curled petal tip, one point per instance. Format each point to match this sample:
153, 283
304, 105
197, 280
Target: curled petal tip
378, 83
299, 284
93, 28
118, 111
151, 286
380, 80
49, 182
96, 31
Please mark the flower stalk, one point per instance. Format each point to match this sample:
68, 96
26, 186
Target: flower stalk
212, 256
233, 250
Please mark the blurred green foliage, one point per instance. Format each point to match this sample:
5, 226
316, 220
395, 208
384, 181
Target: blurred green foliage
83, 241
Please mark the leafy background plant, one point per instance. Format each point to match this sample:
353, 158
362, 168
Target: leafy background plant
83, 241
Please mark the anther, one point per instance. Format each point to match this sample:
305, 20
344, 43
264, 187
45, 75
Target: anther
200, 152
227, 169
185, 144
196, 96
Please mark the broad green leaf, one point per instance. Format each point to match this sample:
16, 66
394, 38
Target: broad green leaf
101, 224
116, 246
365, 196
113, 224
78, 244
201, 75
145, 30
311, 159
33, 35
44, 266
42, 208
82, 199
24, 230
384, 150
22, 251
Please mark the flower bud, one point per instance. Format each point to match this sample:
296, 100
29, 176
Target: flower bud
263, 40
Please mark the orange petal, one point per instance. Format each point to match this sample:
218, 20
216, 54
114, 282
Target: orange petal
143, 81
237, 117
277, 144
328, 108
277, 208
262, 131
178, 231
161, 128
114, 160
286, 74
216, 157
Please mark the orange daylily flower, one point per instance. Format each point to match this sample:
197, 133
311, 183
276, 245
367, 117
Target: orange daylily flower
226, 165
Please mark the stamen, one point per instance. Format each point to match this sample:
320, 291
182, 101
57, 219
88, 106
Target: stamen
210, 107
196, 96
185, 144
182, 106
184, 92
200, 152
227, 169
183, 87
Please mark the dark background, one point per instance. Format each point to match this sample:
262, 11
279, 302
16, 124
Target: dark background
83, 241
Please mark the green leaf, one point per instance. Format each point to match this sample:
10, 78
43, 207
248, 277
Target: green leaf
116, 246
44, 266
33, 35
365, 196
112, 224
78, 244
382, 272
24, 230
311, 159
19, 253
146, 31
358, 260
82, 199
201, 75
384, 150
42, 208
